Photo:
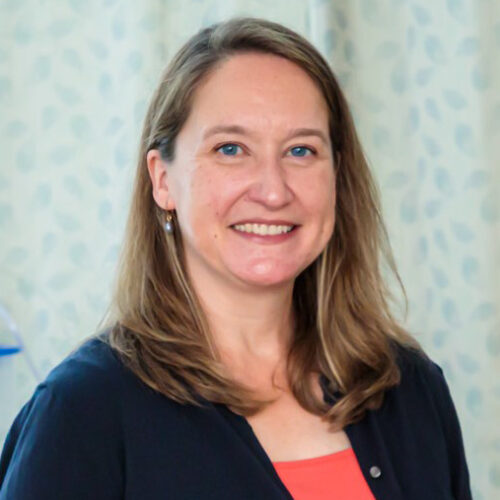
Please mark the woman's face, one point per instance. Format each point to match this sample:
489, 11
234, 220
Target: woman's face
252, 181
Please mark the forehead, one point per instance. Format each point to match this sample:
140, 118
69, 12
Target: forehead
264, 89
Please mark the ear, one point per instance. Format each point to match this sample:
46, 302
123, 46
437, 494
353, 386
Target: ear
157, 169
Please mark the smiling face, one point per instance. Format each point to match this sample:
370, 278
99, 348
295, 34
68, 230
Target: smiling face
252, 181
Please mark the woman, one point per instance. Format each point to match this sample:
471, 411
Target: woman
251, 353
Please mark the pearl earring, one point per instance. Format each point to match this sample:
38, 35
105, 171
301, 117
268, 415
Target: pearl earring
169, 226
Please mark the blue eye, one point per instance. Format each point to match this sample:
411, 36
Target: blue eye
229, 149
299, 151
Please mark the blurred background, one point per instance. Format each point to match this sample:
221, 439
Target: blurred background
423, 81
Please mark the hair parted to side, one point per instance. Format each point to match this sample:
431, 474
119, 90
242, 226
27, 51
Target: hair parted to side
344, 326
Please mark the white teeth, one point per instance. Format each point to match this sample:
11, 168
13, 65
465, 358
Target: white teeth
263, 229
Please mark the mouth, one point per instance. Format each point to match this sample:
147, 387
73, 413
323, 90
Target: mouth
261, 229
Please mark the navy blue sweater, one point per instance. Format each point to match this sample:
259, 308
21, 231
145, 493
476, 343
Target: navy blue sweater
93, 430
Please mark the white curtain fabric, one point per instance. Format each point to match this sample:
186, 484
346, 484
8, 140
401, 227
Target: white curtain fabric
423, 80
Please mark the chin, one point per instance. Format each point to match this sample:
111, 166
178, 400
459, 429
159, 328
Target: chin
267, 274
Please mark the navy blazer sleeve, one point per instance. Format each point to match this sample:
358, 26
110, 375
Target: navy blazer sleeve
63, 445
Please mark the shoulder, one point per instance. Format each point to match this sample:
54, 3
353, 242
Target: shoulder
70, 429
92, 372
423, 390
414, 363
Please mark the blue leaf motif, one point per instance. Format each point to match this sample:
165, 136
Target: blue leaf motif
98, 48
440, 240
464, 139
440, 277
5, 213
67, 95
473, 401
423, 76
431, 146
462, 232
42, 195
493, 343
341, 19
49, 116
454, 99
99, 176
450, 312
442, 180
399, 78
477, 179
479, 79
494, 475
413, 120
434, 50
439, 337
421, 15
490, 211
25, 288
68, 312
61, 155
49, 242
15, 128
423, 248
5, 86
457, 9
467, 363
112, 254
134, 61
78, 253
67, 222
105, 211
25, 160
432, 207
484, 311
350, 52
80, 127
105, 85
72, 58
113, 125
468, 46
41, 320
15, 256
470, 270
330, 41
118, 28
72, 186
41, 68
432, 109
408, 209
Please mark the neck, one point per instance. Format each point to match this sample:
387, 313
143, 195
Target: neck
247, 323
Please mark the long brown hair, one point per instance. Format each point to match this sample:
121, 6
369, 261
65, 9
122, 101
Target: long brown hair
344, 326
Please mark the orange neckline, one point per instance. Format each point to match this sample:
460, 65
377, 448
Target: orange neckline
314, 460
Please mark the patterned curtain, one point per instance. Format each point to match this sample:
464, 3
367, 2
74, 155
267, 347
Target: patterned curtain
423, 81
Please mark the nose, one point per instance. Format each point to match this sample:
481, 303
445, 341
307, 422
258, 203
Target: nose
270, 186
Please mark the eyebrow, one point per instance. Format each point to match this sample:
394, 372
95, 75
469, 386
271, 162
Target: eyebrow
238, 129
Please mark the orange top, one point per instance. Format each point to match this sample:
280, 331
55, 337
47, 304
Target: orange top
331, 476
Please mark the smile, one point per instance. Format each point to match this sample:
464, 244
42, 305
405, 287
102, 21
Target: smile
263, 229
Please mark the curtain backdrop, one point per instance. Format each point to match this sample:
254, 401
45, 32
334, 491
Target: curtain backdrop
423, 81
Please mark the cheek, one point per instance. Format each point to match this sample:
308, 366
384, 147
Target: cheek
212, 194
318, 193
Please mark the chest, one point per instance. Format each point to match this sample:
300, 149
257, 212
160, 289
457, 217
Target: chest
287, 432
174, 451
